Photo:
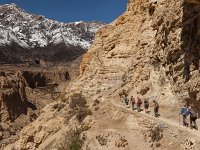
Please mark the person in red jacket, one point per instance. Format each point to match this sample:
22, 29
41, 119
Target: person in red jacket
132, 102
139, 103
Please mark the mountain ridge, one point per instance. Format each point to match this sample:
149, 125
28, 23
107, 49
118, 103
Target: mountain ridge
26, 33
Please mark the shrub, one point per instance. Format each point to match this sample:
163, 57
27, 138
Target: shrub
79, 107
77, 100
76, 142
73, 141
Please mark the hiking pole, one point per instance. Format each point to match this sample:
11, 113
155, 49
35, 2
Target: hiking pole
186, 125
179, 120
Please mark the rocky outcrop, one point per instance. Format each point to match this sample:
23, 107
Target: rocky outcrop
25, 37
37, 79
13, 97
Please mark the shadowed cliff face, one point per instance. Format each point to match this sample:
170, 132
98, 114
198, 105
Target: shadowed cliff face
37, 79
193, 1
13, 97
191, 47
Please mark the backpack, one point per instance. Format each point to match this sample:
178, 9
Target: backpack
139, 102
126, 100
184, 111
146, 103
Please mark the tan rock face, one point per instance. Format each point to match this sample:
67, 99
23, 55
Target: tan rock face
151, 48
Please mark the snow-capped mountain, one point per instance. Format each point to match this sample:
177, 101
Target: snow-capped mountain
24, 36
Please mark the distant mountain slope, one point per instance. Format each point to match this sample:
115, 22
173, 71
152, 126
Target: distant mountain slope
24, 36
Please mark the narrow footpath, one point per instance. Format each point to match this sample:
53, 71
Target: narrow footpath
160, 120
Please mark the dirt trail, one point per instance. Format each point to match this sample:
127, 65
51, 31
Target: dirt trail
160, 120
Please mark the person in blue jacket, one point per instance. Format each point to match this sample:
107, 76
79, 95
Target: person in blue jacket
185, 113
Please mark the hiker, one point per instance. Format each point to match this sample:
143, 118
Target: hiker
139, 103
184, 112
146, 105
156, 108
193, 118
126, 100
132, 102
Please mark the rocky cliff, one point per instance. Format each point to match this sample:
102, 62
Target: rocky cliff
25, 37
151, 48
150, 51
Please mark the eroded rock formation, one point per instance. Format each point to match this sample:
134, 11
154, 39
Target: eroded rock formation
13, 97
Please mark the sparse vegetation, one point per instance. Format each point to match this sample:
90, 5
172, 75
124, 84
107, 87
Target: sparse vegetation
77, 100
76, 142
79, 107
156, 133
73, 140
